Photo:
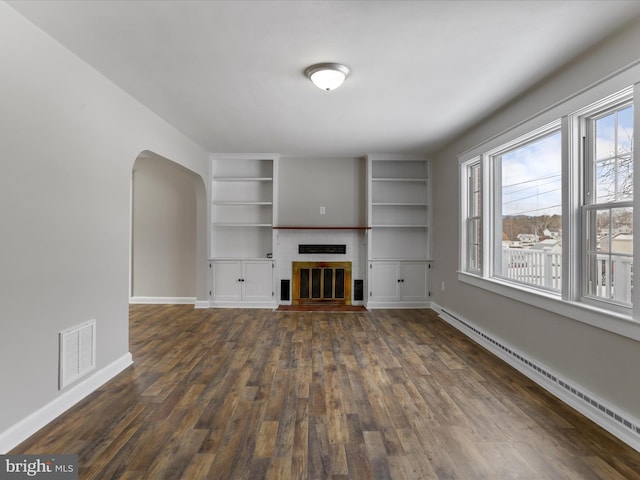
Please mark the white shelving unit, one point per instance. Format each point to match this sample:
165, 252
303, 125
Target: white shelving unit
243, 214
242, 206
399, 214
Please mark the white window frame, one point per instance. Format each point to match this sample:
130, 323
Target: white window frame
495, 188
467, 215
570, 302
582, 122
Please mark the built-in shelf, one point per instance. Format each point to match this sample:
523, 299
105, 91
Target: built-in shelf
242, 179
242, 206
222, 202
242, 225
399, 226
291, 227
399, 211
398, 204
418, 180
398, 247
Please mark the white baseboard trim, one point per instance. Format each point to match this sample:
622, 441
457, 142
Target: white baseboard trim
201, 304
620, 424
222, 304
29, 425
397, 305
163, 300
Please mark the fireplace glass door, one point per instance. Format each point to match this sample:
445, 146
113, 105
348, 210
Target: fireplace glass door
321, 282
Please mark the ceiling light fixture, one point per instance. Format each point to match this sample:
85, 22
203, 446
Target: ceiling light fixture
327, 76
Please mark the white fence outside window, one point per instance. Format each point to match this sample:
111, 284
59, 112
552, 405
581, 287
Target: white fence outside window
543, 268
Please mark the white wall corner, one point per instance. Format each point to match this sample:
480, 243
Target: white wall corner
397, 305
29, 425
620, 424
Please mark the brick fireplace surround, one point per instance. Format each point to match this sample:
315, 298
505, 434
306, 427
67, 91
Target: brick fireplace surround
287, 242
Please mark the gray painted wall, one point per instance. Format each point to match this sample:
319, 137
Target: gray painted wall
164, 229
604, 363
306, 184
68, 141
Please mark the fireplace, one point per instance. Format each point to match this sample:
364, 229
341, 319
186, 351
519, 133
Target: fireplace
321, 283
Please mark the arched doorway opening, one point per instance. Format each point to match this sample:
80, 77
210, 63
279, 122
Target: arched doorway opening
168, 236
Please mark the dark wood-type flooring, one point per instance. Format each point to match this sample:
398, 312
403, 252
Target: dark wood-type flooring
252, 394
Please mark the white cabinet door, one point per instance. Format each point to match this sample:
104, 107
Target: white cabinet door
384, 285
415, 287
235, 282
398, 284
257, 281
227, 281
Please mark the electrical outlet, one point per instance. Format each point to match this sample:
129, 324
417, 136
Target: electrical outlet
443, 285
322, 210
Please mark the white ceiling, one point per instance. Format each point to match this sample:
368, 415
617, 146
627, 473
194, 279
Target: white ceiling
229, 74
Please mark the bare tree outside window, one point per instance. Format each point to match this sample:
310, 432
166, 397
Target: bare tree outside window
613, 156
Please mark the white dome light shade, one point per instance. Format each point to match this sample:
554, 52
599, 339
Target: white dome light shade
327, 76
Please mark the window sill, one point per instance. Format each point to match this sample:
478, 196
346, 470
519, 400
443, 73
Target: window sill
613, 322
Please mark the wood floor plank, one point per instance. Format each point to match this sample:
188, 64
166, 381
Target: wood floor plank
300, 453
256, 394
319, 465
198, 467
287, 420
357, 459
377, 455
266, 440
225, 462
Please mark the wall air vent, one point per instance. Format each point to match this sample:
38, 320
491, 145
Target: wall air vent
327, 249
77, 352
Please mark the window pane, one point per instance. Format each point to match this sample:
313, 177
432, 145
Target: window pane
610, 254
474, 218
476, 199
625, 131
608, 229
605, 181
613, 167
531, 203
474, 256
605, 137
